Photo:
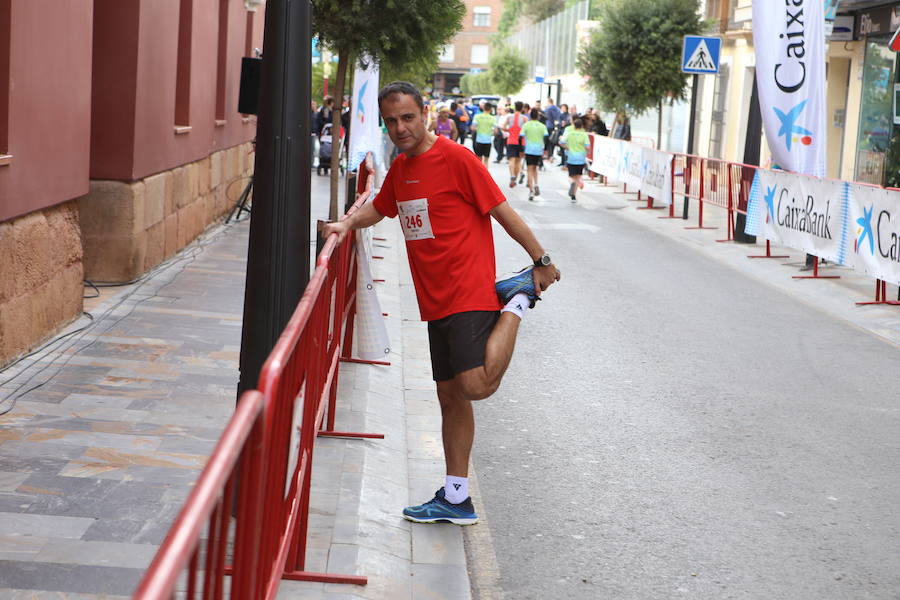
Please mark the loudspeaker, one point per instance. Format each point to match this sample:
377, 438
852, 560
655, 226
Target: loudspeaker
248, 98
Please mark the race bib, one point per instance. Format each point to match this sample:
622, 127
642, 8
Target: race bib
414, 219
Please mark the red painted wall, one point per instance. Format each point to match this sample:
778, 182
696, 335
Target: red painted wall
134, 131
49, 104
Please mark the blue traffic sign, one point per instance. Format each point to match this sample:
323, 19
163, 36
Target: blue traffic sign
700, 54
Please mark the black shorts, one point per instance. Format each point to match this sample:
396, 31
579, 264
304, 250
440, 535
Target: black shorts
481, 149
458, 342
533, 160
575, 169
514, 150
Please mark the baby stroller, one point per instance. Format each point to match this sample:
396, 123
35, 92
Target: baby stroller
326, 147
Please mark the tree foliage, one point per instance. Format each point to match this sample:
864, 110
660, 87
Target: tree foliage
633, 59
476, 83
398, 33
508, 70
509, 18
538, 10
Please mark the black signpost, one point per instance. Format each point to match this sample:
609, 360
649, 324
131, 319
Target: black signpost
278, 256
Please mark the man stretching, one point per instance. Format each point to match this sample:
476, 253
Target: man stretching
445, 198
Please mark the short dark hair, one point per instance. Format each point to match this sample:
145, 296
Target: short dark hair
401, 87
518, 105
535, 113
578, 123
488, 107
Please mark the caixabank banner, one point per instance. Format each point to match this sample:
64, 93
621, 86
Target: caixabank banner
801, 212
875, 232
638, 167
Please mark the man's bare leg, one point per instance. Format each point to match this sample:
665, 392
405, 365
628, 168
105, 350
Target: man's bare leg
481, 382
457, 427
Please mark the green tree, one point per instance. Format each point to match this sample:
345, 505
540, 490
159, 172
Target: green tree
633, 59
509, 18
538, 10
508, 70
394, 33
476, 83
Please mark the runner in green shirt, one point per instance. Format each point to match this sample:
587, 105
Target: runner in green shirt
576, 142
535, 133
483, 128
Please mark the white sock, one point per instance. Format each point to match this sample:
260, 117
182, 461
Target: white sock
517, 305
456, 489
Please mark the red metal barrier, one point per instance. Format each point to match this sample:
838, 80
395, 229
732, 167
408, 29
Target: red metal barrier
209, 506
301, 374
269, 533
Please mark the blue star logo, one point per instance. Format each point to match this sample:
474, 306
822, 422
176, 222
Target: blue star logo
360, 107
770, 202
865, 231
789, 126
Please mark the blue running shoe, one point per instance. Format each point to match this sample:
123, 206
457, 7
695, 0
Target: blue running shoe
438, 510
520, 283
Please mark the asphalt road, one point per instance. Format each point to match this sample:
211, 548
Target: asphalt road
671, 428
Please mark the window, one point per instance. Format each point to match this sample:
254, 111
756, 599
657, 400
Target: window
183, 70
479, 54
221, 72
482, 17
447, 54
5, 47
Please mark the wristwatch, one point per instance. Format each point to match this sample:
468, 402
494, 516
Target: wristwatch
543, 261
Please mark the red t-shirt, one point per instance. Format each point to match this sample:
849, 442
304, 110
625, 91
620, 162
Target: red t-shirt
443, 197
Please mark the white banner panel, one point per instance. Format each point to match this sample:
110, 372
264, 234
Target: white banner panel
875, 232
607, 152
365, 134
789, 43
656, 180
639, 167
801, 212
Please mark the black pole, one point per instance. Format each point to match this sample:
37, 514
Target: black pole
752, 145
278, 256
690, 143
558, 91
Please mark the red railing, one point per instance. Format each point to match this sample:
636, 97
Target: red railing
209, 508
264, 458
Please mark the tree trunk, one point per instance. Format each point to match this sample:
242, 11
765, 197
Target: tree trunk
659, 125
336, 133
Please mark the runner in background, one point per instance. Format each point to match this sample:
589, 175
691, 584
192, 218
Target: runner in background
565, 120
576, 143
444, 125
499, 134
535, 134
461, 120
552, 113
483, 130
514, 147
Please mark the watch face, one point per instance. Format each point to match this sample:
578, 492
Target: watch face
545, 260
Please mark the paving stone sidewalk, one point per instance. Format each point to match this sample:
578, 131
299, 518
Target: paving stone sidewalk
96, 462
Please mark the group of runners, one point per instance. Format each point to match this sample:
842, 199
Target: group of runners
524, 135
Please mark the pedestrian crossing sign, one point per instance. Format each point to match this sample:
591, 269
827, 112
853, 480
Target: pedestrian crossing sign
700, 54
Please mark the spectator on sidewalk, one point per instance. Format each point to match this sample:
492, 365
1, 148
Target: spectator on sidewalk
445, 199
551, 111
499, 134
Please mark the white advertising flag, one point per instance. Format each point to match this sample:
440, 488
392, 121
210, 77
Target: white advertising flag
365, 135
789, 42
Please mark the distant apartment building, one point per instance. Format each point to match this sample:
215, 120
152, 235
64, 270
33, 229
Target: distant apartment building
470, 49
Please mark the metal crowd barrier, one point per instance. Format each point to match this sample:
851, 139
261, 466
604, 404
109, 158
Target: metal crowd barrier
214, 549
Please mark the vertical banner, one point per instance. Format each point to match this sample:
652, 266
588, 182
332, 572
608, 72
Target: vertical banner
365, 135
372, 342
789, 43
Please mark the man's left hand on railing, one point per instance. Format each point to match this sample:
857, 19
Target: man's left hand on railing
366, 216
